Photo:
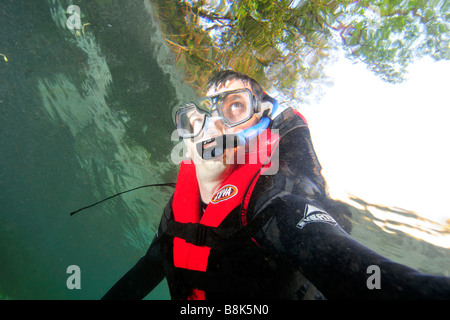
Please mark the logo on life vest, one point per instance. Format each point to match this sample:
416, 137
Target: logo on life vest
224, 193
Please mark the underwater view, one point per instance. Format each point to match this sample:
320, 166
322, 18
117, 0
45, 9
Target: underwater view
88, 93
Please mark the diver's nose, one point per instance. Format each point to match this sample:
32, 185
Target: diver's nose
213, 126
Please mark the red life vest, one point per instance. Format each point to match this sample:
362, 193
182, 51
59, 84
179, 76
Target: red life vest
234, 191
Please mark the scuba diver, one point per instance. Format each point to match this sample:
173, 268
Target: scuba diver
250, 217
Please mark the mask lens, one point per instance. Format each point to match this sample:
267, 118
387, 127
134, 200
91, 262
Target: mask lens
233, 108
237, 107
189, 121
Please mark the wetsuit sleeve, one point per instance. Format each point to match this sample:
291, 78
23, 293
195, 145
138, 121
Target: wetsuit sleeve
145, 275
337, 264
141, 279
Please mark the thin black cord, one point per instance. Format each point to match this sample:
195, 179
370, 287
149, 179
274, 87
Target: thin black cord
118, 194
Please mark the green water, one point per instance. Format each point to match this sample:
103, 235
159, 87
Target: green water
82, 117
86, 116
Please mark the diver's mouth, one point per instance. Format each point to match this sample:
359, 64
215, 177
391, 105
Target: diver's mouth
210, 149
215, 147
209, 143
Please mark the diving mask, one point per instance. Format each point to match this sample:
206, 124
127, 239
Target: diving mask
233, 107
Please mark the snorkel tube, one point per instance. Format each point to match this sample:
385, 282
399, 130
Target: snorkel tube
234, 140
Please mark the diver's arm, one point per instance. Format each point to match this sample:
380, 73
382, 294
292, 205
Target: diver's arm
141, 279
147, 273
337, 264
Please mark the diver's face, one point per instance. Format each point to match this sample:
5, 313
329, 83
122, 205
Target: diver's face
215, 126
219, 125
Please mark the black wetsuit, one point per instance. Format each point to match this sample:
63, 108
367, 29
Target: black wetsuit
300, 249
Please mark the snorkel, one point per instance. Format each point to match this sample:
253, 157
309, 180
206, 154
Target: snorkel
227, 141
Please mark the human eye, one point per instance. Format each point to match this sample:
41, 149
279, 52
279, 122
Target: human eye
237, 106
234, 110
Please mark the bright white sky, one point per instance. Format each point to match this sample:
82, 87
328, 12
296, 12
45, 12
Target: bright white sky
387, 144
